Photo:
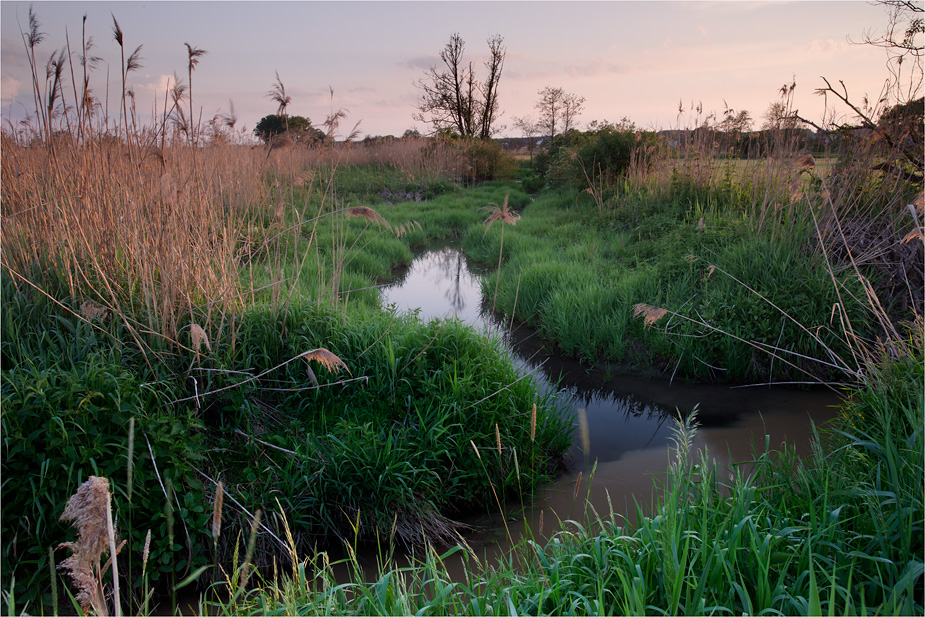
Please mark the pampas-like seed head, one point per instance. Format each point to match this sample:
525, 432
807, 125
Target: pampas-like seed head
217, 511
503, 214
327, 359
796, 190
649, 312
533, 424
805, 162
91, 310
369, 214
198, 335
406, 228
87, 510
498, 438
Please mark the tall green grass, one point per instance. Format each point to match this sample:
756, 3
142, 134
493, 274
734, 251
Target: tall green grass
383, 448
576, 275
839, 532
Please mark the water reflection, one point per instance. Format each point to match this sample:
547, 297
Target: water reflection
629, 417
439, 283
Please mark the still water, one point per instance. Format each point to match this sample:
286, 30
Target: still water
629, 417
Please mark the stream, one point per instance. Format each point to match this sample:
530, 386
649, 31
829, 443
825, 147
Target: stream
629, 418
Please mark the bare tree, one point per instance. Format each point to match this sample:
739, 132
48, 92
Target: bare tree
550, 108
454, 98
895, 117
530, 128
903, 43
558, 108
572, 106
778, 117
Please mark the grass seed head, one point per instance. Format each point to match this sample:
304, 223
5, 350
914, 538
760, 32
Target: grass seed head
199, 337
369, 214
87, 510
146, 553
327, 359
217, 511
649, 312
91, 310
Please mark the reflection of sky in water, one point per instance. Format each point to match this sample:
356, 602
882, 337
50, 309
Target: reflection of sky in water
439, 284
624, 413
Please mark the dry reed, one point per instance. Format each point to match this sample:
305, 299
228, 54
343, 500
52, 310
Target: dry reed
369, 214
217, 512
89, 510
650, 313
326, 359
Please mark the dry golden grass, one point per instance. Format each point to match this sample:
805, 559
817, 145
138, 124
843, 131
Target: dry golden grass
149, 238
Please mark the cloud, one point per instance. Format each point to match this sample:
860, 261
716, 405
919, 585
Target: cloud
10, 86
601, 67
161, 84
12, 54
819, 46
421, 63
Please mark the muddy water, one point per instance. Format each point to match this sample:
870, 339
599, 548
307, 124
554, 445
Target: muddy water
629, 418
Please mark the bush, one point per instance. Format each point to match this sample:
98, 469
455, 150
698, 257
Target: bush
487, 160
67, 401
600, 156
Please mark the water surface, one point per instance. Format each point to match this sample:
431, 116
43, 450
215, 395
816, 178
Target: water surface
629, 417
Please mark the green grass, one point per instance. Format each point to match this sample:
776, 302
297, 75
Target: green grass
383, 448
839, 532
576, 274
404, 440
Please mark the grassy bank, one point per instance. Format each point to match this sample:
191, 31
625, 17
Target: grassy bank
247, 351
701, 283
839, 532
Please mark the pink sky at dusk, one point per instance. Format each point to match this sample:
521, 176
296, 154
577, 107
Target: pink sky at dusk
628, 59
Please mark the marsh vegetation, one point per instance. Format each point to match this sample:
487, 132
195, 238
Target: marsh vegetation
194, 347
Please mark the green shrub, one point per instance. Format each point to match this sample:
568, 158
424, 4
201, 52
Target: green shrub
66, 404
598, 157
487, 160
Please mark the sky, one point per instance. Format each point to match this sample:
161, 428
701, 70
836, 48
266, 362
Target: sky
639, 60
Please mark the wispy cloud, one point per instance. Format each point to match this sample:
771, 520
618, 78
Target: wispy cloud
10, 87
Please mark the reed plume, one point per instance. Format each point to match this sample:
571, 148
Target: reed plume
369, 214
649, 312
503, 214
327, 359
88, 510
